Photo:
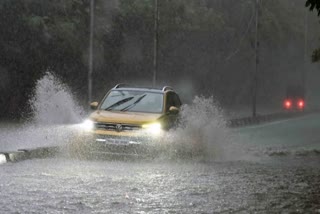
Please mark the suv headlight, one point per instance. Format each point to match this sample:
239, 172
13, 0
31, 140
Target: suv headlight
153, 128
87, 125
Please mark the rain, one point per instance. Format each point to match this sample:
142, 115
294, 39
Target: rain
149, 106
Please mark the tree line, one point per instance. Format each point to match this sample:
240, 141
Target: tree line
209, 44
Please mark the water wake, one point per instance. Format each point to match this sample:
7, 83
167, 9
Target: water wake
203, 130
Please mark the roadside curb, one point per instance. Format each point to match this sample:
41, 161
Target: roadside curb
24, 154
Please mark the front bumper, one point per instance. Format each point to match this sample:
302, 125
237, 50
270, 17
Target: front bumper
97, 145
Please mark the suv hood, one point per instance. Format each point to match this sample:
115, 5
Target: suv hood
124, 117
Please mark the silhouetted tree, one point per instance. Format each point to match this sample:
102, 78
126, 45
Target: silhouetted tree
208, 42
313, 4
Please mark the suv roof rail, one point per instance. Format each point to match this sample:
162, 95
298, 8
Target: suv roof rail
167, 88
124, 85
120, 85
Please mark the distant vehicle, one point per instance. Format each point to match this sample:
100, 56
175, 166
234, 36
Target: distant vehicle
295, 98
128, 119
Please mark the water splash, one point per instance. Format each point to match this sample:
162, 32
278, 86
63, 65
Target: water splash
202, 129
53, 102
54, 109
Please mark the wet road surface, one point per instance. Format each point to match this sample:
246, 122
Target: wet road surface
59, 185
277, 172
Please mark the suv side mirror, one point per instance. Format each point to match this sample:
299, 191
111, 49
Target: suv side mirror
173, 110
94, 105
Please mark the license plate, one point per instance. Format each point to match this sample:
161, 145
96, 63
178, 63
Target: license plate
116, 142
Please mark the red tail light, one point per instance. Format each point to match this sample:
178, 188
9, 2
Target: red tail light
287, 104
300, 104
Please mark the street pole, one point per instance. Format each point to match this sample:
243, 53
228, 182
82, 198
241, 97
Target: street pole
155, 43
304, 72
255, 76
90, 52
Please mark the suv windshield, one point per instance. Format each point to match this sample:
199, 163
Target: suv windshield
133, 101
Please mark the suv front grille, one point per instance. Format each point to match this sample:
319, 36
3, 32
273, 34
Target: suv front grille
115, 127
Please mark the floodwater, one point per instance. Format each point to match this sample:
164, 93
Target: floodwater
259, 179
62, 185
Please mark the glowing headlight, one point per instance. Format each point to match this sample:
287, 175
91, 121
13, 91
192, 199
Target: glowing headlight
3, 159
87, 125
153, 128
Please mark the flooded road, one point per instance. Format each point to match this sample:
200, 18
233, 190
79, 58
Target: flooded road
73, 186
276, 171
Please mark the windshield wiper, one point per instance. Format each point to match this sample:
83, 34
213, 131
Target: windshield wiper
119, 103
133, 104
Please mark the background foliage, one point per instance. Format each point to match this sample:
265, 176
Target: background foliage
204, 45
